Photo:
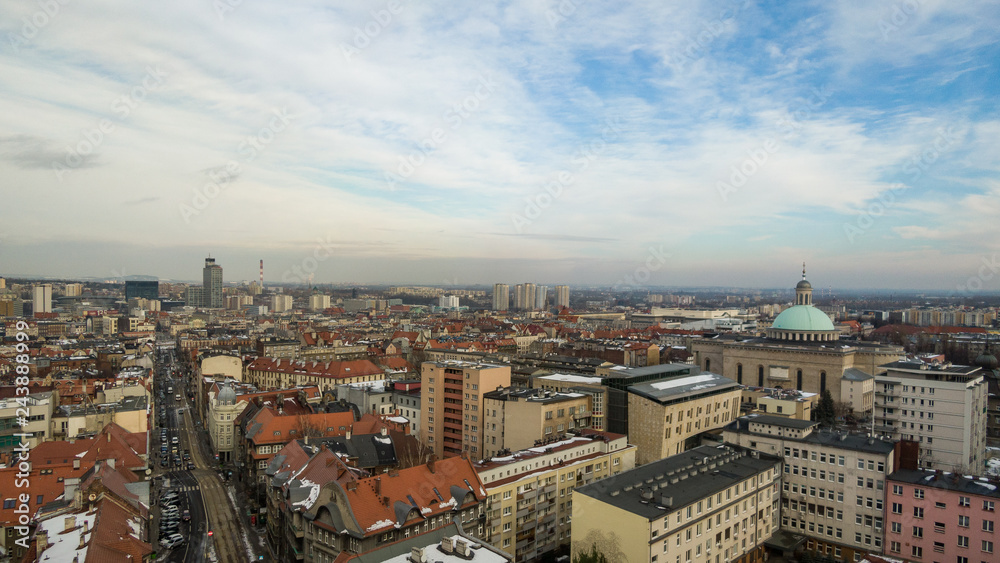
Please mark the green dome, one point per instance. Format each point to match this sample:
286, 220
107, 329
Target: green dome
801, 318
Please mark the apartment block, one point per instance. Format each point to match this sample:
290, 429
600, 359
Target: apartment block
501, 297
833, 490
934, 516
515, 419
562, 296
664, 415
529, 492
942, 407
572, 383
452, 404
704, 505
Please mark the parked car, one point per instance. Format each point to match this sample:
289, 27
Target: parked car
186, 516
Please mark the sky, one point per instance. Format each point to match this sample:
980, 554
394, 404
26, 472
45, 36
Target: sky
581, 142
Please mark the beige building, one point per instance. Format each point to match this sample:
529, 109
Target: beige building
223, 411
801, 351
706, 505
319, 302
529, 503
222, 366
515, 419
571, 383
942, 407
281, 303
664, 415
36, 409
451, 405
789, 403
857, 391
833, 489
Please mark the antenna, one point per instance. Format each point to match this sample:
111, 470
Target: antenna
803, 270
261, 273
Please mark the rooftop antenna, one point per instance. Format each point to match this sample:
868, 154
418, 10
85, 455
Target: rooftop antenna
803, 270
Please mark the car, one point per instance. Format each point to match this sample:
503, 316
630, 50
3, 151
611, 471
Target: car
172, 542
174, 440
163, 462
186, 515
190, 466
169, 495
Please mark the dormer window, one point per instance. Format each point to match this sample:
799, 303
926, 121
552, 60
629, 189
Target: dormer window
277, 432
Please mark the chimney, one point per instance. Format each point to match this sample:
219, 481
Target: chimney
83, 541
378, 486
430, 463
69, 523
385, 431
76, 463
462, 548
41, 541
448, 545
417, 555
349, 430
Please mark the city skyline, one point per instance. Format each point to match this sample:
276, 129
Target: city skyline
701, 144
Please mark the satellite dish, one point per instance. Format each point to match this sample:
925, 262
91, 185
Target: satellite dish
92, 497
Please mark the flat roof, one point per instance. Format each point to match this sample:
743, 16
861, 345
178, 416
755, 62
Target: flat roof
621, 372
655, 489
686, 386
570, 378
969, 484
840, 440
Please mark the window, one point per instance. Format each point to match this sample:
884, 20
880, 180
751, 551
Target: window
963, 521
897, 508
894, 547
987, 546
918, 512
896, 527
987, 525
963, 541
918, 551
963, 501
918, 532
988, 505
918, 493
897, 489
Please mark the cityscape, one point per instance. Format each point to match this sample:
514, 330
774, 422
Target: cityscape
519, 281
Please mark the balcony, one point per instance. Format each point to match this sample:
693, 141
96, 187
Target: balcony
887, 393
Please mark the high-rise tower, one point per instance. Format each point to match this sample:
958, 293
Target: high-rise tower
212, 283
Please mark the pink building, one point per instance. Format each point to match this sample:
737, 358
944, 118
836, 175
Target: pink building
941, 517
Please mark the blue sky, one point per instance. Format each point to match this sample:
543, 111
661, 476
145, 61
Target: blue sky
513, 141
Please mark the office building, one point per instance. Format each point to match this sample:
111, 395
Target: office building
515, 419
529, 501
665, 416
194, 296
145, 289
619, 379
448, 302
940, 406
562, 296
73, 289
501, 297
833, 488
42, 298
705, 505
451, 405
212, 284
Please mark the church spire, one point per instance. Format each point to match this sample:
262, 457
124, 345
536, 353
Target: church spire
803, 270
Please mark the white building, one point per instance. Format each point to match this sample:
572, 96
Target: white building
562, 296
942, 407
42, 302
281, 303
319, 302
448, 302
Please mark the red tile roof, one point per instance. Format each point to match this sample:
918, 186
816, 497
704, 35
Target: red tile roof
333, 370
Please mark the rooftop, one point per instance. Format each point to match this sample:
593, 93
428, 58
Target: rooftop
968, 484
681, 387
658, 488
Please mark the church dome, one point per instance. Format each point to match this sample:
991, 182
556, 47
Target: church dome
803, 285
987, 361
227, 396
802, 318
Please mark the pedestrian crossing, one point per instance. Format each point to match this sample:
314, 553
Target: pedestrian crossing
185, 488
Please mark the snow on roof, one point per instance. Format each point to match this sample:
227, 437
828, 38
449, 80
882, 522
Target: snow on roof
64, 542
307, 502
671, 383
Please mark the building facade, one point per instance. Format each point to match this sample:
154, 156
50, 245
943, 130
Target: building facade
942, 407
704, 505
501, 297
515, 419
212, 284
452, 405
529, 492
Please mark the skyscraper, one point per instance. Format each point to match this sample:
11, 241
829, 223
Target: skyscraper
212, 284
42, 302
562, 296
501, 296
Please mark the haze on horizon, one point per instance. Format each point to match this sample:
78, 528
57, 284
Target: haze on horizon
553, 142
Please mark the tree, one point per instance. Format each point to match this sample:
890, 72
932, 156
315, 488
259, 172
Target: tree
826, 411
593, 557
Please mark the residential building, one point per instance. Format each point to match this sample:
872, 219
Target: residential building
515, 419
501, 297
212, 284
833, 488
789, 403
36, 412
529, 504
278, 373
857, 391
326, 510
562, 296
524, 296
42, 298
541, 297
194, 296
940, 406
452, 404
666, 415
934, 516
448, 302
445, 545
281, 303
73, 289
618, 379
704, 505
319, 302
